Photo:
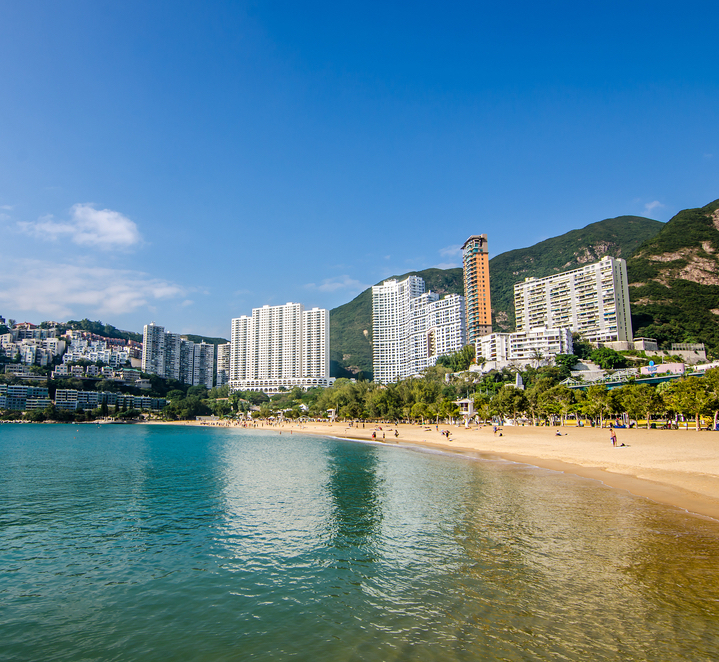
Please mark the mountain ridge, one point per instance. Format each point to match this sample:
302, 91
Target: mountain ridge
674, 280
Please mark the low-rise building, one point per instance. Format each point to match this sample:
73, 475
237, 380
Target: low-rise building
72, 400
534, 347
19, 397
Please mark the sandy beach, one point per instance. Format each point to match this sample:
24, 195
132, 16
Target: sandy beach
675, 467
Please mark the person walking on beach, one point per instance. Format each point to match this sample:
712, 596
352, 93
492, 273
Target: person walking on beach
613, 437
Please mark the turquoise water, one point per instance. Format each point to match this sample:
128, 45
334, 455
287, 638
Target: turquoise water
179, 543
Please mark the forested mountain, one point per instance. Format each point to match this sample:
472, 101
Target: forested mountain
351, 323
674, 280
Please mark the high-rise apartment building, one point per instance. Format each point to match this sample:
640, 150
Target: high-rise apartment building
475, 262
197, 363
411, 328
592, 300
223, 364
171, 356
153, 349
280, 347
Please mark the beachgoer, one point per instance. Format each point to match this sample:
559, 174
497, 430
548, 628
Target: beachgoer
613, 437
557, 434
396, 433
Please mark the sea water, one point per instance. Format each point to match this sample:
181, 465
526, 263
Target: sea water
186, 543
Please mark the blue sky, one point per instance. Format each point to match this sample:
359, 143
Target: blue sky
184, 162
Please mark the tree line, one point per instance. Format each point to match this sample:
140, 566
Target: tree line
432, 397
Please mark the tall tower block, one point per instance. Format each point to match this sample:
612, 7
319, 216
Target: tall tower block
475, 257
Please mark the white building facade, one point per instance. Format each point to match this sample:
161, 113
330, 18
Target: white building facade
412, 328
534, 347
592, 300
280, 347
153, 349
223, 364
171, 356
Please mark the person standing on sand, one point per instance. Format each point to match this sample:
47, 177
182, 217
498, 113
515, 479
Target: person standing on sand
613, 437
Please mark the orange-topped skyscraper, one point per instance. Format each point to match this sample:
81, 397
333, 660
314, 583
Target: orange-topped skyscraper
475, 258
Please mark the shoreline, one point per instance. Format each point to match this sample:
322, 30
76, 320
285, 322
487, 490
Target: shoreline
678, 468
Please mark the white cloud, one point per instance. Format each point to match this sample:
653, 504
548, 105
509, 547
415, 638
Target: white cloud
651, 206
4, 217
102, 228
451, 251
62, 290
6, 207
447, 265
338, 283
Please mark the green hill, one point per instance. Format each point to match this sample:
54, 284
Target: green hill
674, 280
351, 323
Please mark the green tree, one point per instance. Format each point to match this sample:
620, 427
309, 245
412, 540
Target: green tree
419, 411
581, 348
510, 401
459, 361
557, 401
448, 409
565, 363
608, 359
639, 400
597, 404
689, 396
534, 397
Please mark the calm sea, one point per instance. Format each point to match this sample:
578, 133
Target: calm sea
180, 543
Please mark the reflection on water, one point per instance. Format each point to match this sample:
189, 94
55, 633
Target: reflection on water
354, 486
178, 543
